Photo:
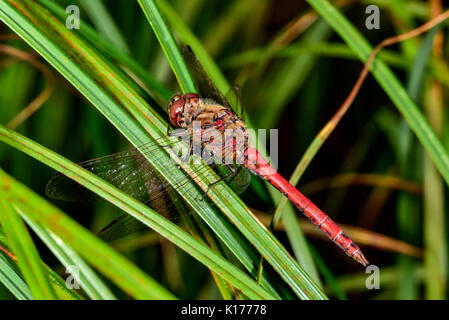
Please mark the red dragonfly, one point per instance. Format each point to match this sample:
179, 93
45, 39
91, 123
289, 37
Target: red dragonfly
214, 118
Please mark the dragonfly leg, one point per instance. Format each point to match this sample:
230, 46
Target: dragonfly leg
169, 133
177, 134
186, 159
233, 173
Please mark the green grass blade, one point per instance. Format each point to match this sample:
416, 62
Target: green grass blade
281, 85
131, 279
111, 95
408, 212
183, 31
88, 280
298, 242
9, 272
101, 98
104, 22
222, 85
60, 286
12, 280
56, 221
417, 72
168, 45
156, 90
434, 222
23, 247
434, 233
389, 83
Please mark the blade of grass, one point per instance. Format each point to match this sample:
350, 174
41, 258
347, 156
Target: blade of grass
435, 242
23, 247
60, 286
57, 221
183, 31
435, 260
408, 214
108, 106
104, 22
149, 8
438, 67
12, 280
131, 279
57, 283
168, 45
155, 89
39, 35
88, 280
389, 83
189, 11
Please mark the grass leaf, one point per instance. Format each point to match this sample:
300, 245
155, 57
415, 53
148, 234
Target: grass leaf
88, 280
23, 247
168, 44
132, 116
389, 83
57, 221
127, 276
11, 279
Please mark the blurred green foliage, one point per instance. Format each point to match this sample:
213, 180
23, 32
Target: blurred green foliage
296, 89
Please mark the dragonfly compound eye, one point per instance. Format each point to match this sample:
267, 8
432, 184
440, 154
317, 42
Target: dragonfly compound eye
176, 109
173, 99
191, 97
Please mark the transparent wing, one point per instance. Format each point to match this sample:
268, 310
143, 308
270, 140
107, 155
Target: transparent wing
121, 227
132, 173
126, 224
204, 84
128, 170
234, 97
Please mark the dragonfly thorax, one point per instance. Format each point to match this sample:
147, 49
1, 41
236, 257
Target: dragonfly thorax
220, 130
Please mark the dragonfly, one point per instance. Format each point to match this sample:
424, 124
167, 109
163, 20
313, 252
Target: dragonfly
208, 113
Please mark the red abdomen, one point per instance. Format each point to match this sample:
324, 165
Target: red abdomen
257, 164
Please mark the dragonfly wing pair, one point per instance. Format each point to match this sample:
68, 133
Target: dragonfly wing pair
207, 89
130, 172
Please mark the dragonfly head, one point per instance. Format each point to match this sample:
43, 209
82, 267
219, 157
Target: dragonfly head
176, 107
